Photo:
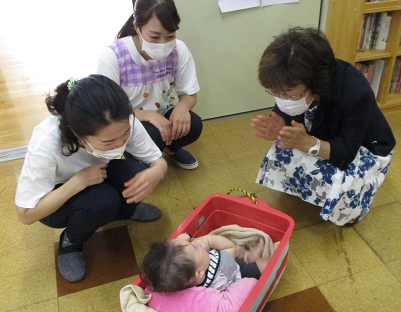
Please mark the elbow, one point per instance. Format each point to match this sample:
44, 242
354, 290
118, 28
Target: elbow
26, 222
23, 216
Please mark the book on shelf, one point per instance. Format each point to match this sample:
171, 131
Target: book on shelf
383, 32
395, 80
368, 31
372, 70
393, 77
377, 75
374, 31
362, 32
397, 77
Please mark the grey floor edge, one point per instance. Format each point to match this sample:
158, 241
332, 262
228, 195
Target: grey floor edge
13, 153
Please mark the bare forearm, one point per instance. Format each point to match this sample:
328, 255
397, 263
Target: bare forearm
188, 101
49, 203
219, 242
161, 165
144, 115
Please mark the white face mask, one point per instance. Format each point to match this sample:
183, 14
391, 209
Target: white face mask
157, 51
293, 108
111, 154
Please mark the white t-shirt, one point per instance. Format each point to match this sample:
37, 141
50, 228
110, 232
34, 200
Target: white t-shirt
45, 166
153, 96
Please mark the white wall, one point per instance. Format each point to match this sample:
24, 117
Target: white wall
227, 48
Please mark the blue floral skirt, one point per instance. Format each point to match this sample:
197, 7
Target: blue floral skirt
343, 195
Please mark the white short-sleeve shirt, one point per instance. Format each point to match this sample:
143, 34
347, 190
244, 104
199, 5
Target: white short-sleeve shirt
152, 96
45, 166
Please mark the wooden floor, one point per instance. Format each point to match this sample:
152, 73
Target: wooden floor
22, 103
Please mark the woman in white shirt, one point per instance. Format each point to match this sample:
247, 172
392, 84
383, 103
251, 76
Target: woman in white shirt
148, 62
72, 177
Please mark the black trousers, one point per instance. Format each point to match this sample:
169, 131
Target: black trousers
96, 205
193, 134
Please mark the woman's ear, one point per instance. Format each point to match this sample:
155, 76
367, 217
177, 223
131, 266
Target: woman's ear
135, 27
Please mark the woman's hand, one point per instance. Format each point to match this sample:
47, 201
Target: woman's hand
268, 127
144, 182
163, 125
92, 175
180, 117
160, 122
181, 121
295, 137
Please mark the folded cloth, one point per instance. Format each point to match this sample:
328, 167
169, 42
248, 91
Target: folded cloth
249, 237
133, 299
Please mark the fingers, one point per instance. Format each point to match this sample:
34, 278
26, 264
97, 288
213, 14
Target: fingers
139, 187
184, 236
285, 138
134, 193
164, 126
180, 128
165, 132
176, 131
267, 127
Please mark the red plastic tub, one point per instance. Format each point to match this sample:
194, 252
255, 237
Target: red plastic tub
219, 210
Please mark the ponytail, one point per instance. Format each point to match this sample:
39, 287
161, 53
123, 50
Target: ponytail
128, 28
56, 106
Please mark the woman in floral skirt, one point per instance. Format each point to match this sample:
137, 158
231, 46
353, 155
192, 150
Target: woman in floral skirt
333, 146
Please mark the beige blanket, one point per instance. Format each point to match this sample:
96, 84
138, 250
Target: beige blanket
133, 299
249, 237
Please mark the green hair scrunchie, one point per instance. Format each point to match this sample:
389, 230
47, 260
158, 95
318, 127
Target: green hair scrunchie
71, 83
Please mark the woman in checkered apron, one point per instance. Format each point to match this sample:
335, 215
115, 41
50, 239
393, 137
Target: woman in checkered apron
148, 62
333, 146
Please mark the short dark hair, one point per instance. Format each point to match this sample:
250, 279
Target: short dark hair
298, 56
92, 103
164, 10
167, 267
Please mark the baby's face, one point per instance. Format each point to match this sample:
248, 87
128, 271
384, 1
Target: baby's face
195, 251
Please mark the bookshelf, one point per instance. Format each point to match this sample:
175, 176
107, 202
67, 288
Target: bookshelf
343, 29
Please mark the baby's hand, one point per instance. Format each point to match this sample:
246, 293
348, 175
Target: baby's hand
184, 236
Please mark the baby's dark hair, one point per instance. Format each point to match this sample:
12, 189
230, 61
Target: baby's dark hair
167, 267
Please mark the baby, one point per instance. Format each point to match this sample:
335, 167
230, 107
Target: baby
209, 261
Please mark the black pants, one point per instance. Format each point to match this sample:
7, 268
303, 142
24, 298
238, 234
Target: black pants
249, 270
193, 134
96, 205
